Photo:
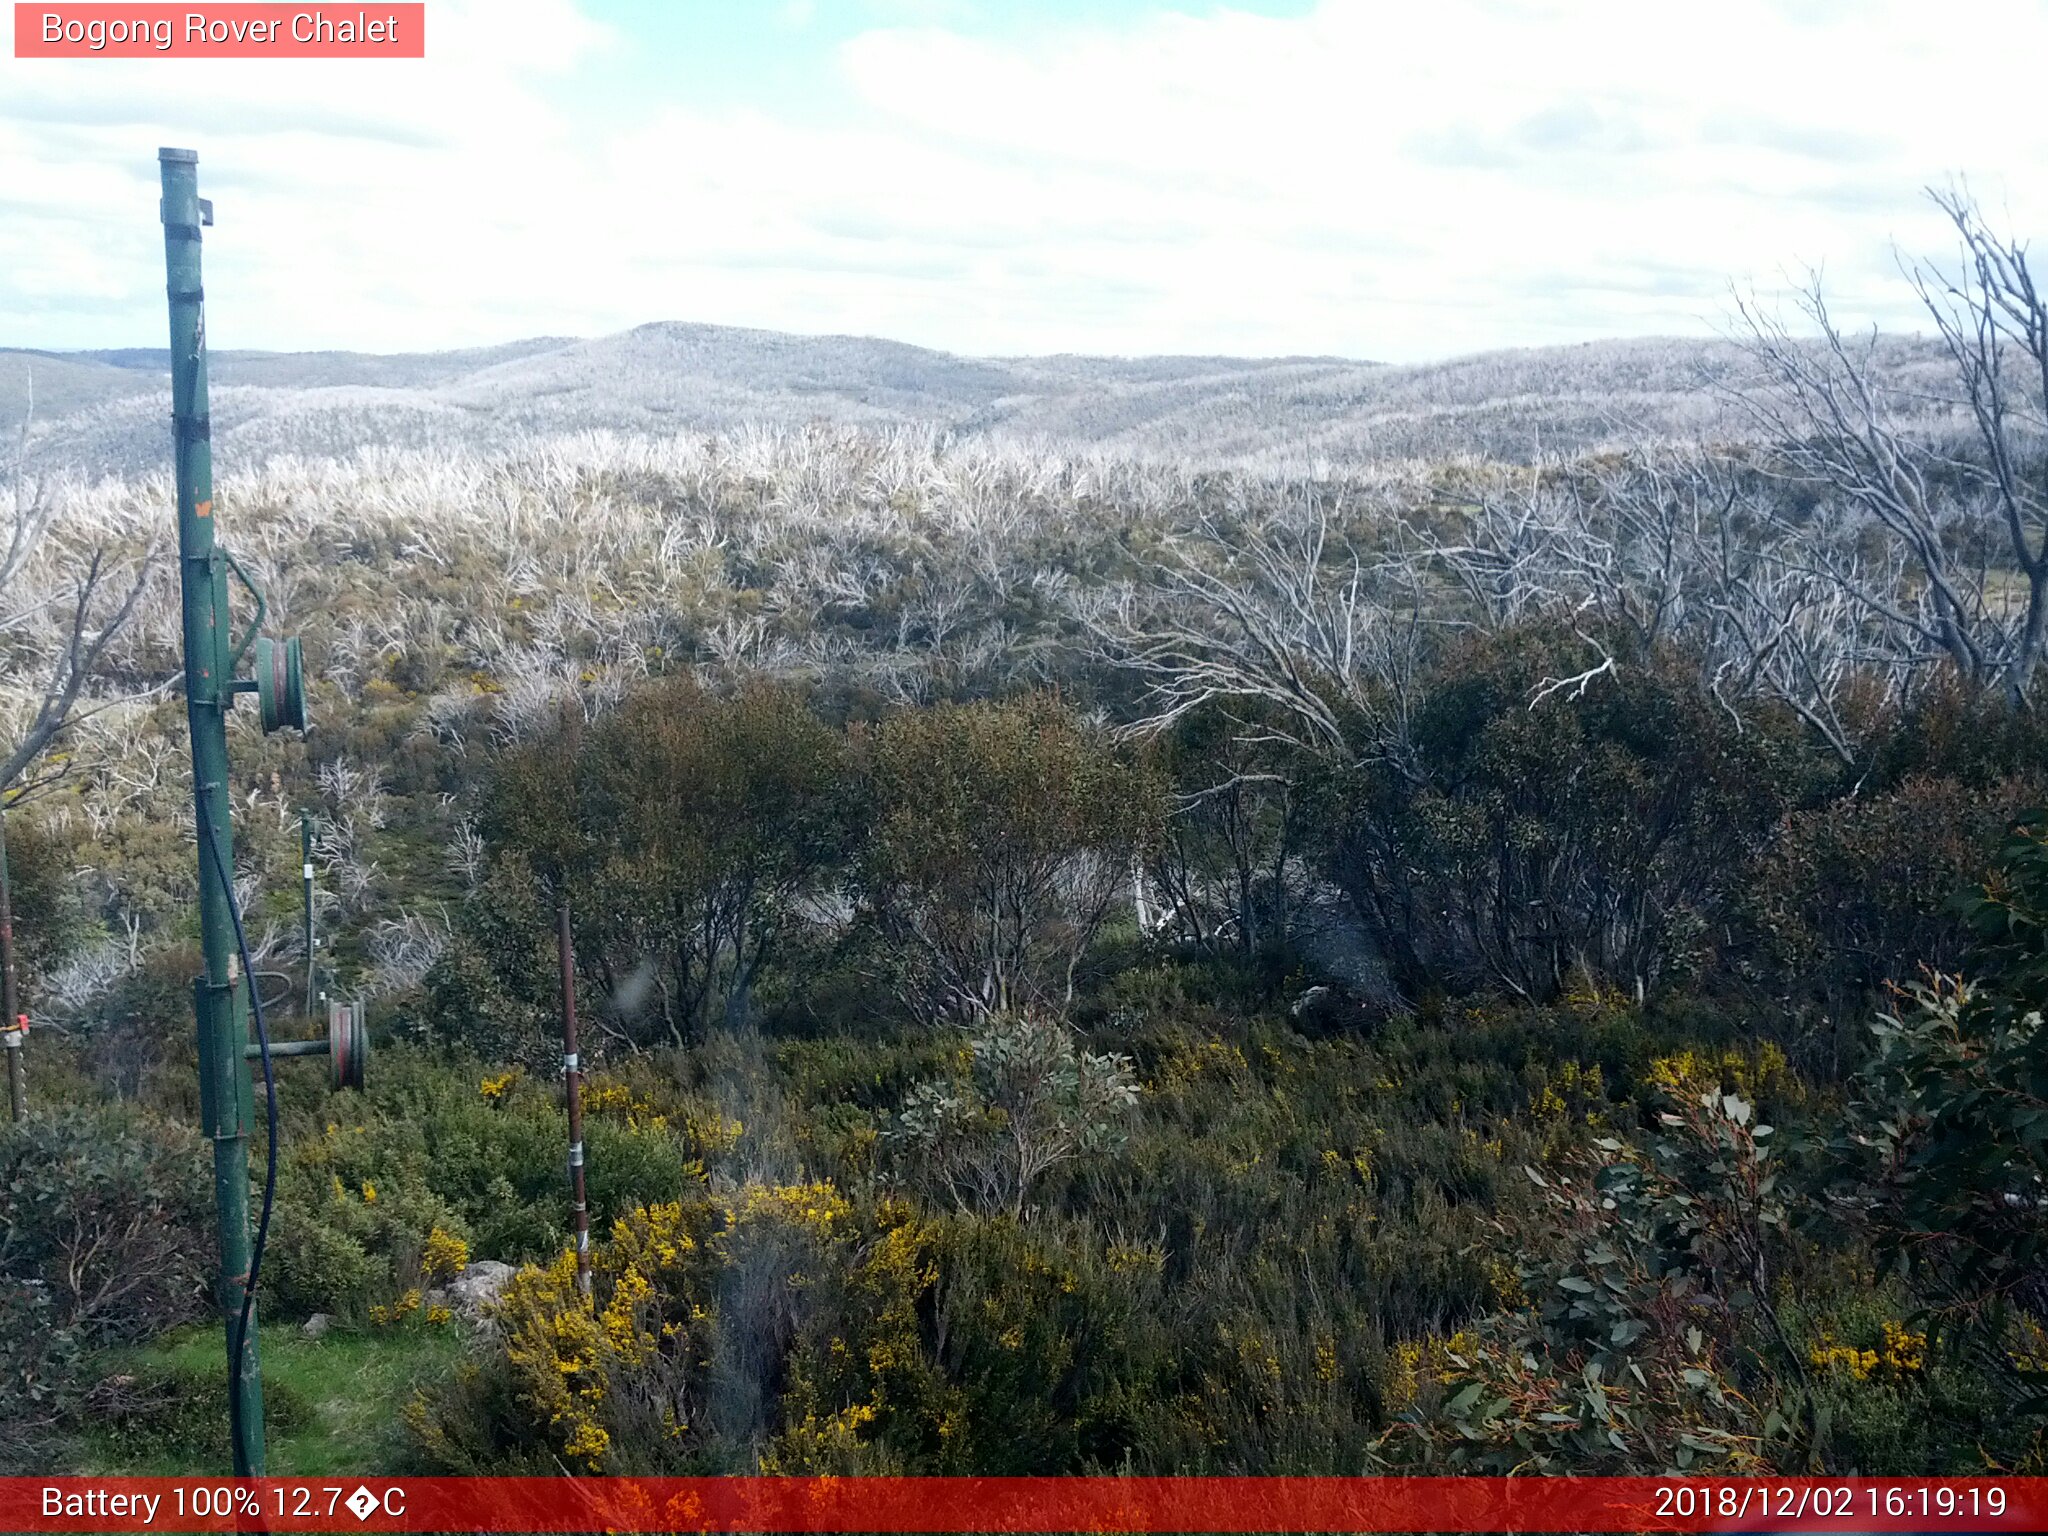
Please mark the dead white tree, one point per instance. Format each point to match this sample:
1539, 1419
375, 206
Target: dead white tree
1313, 648
1680, 544
1994, 325
403, 949
342, 835
1968, 512
60, 610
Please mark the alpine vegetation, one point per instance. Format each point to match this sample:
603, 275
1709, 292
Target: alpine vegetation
1171, 915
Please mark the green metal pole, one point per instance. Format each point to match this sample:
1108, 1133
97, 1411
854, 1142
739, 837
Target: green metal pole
224, 1083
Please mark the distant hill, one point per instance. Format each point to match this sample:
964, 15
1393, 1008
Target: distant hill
103, 412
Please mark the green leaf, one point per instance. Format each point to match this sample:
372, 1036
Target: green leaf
1461, 1404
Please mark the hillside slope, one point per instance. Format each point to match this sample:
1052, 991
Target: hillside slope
103, 412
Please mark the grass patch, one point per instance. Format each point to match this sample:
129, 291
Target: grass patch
331, 1405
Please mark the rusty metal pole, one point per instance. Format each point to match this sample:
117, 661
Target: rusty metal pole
572, 1080
306, 885
17, 1080
12, 1026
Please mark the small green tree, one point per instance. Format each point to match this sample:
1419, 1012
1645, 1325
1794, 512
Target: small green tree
1224, 860
690, 831
495, 987
710, 823
998, 839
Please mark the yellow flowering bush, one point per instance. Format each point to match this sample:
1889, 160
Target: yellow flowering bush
557, 1350
1688, 1073
705, 1129
1905, 1350
627, 1365
710, 1130
398, 1311
1901, 1351
1844, 1358
840, 1393
815, 1206
1413, 1365
813, 1444
444, 1256
602, 1098
1192, 1063
658, 1240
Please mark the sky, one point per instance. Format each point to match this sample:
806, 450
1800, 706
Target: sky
1389, 179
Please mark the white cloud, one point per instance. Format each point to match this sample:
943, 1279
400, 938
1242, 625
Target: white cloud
1373, 179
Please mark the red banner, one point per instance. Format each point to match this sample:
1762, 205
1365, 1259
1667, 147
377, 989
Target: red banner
235, 31
1023, 1504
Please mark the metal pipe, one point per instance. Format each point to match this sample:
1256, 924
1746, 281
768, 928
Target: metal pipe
219, 1003
572, 1079
288, 1048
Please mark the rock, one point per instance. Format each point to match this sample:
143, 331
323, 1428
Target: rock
316, 1326
1314, 997
470, 1292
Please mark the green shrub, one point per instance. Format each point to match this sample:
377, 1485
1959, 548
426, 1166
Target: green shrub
50, 917
178, 1415
1946, 1146
482, 1155
106, 1209
101, 1238
1861, 891
1881, 1396
1529, 837
310, 1264
42, 1379
137, 1037
1029, 1100
1636, 1348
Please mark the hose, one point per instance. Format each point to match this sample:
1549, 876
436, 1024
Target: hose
238, 1347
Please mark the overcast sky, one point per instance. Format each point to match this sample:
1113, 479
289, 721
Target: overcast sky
1397, 180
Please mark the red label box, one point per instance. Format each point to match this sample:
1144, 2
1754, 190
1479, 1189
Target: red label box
234, 31
1025, 1506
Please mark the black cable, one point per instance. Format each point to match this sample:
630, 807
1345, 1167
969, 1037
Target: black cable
238, 1350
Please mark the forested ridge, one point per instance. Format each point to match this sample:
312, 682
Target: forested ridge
1089, 963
